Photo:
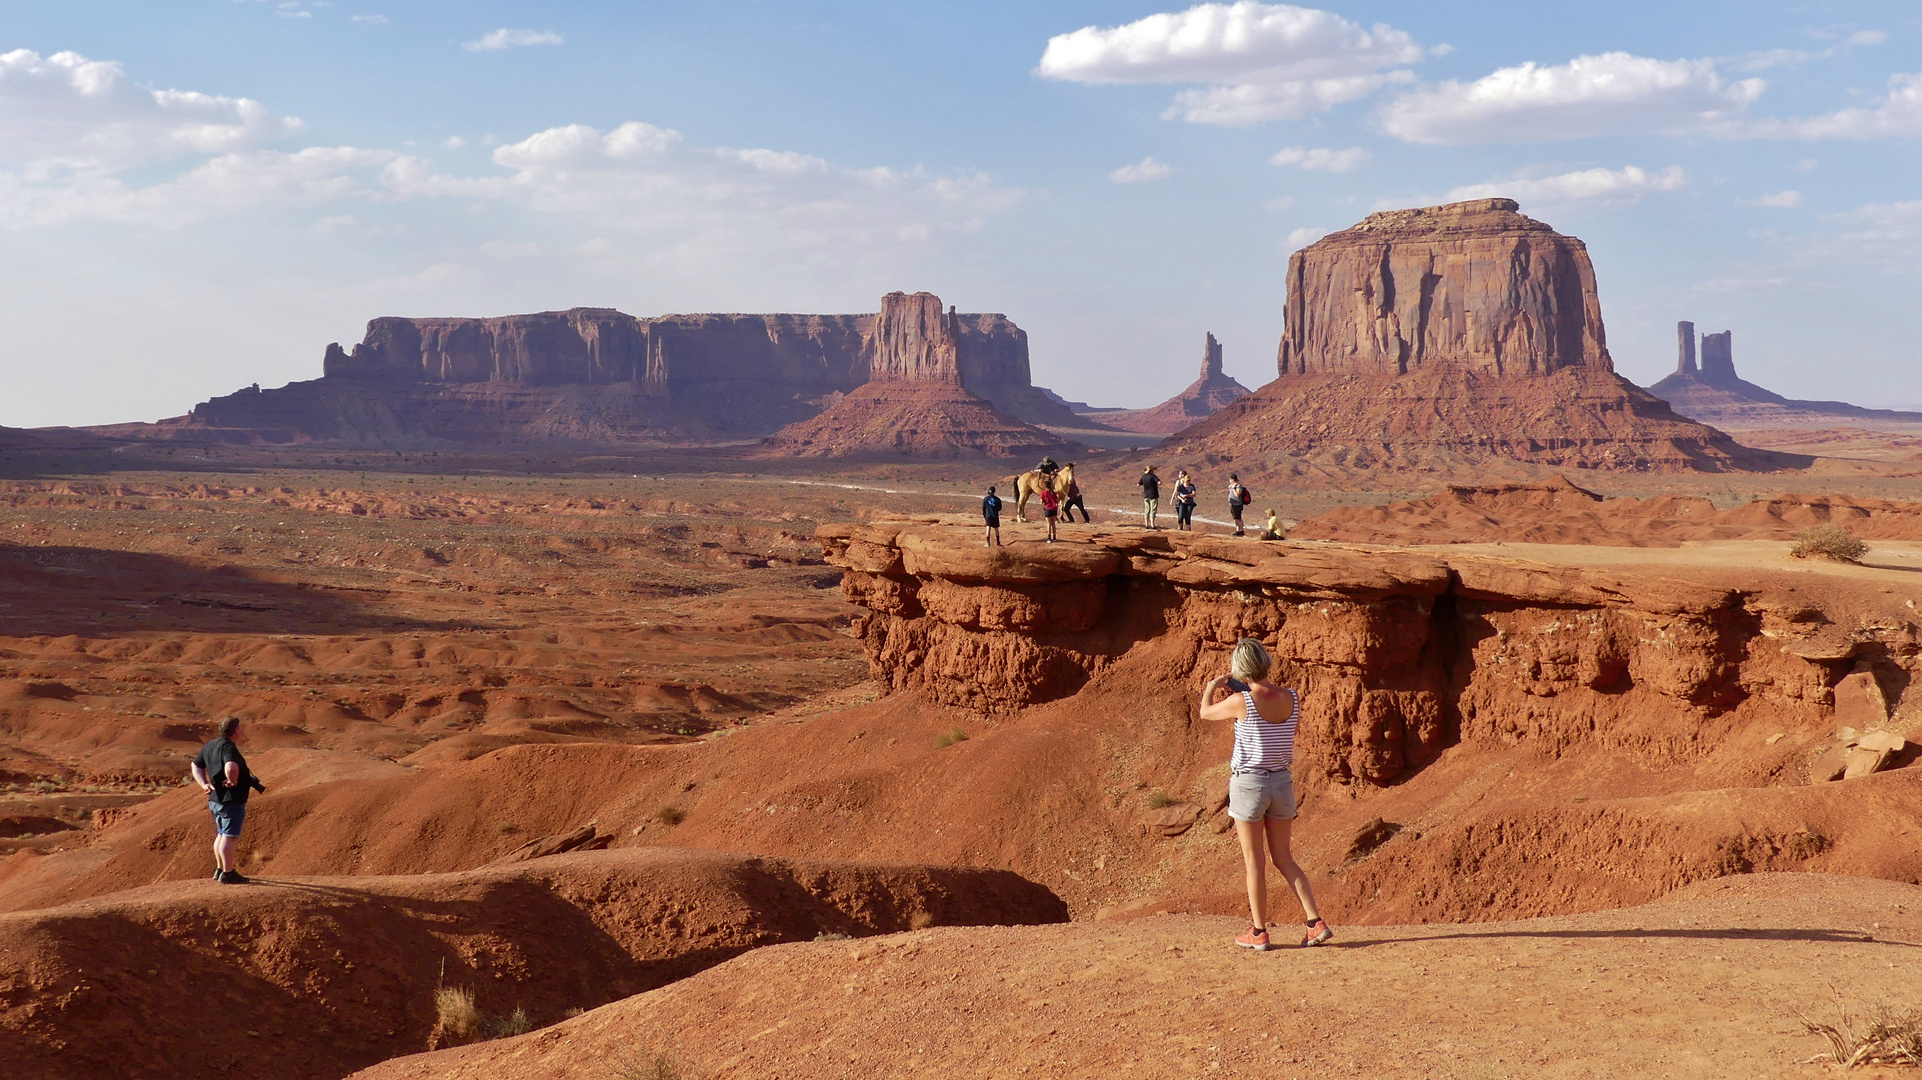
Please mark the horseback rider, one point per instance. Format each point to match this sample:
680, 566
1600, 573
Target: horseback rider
1048, 468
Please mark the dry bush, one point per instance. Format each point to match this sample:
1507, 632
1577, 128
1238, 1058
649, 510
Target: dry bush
459, 1016
1889, 1035
660, 1065
672, 815
515, 1023
1828, 541
949, 738
1159, 799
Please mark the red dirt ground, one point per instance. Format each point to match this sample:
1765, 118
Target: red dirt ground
437, 669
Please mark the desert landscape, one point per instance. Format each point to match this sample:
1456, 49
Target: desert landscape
605, 736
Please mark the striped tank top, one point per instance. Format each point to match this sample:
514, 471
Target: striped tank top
1262, 747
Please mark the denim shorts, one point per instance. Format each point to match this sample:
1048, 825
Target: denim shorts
1253, 796
228, 817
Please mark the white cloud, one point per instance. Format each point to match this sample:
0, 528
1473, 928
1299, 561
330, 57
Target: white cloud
1898, 114
1781, 199
1588, 187
453, 142
1259, 62
1279, 203
1885, 235
1761, 61
223, 185
1302, 237
1320, 159
1610, 94
504, 38
66, 111
1145, 169
368, 20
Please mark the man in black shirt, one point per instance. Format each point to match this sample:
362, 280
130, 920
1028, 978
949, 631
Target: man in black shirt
991, 515
1150, 496
221, 771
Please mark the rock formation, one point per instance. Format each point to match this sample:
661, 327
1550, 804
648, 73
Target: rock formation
599, 374
1714, 394
1453, 335
1203, 398
917, 402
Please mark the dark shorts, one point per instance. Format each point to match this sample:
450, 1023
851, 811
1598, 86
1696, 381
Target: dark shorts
1235, 509
1051, 513
994, 522
228, 817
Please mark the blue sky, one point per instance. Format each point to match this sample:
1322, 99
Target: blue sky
199, 195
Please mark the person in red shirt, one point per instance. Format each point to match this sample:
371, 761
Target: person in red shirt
1050, 508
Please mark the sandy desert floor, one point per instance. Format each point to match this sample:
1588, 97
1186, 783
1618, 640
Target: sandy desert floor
437, 667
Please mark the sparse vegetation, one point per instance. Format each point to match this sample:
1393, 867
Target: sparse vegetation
1828, 541
507, 827
671, 815
514, 1023
662, 1064
949, 738
459, 1016
1159, 800
1888, 1035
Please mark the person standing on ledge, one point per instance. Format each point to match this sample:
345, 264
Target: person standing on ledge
1238, 498
1261, 792
1150, 496
1184, 502
1050, 508
991, 514
1074, 499
221, 771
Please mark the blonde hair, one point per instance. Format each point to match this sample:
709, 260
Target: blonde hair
1250, 662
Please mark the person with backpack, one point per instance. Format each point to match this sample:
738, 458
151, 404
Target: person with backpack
1050, 509
1261, 791
1238, 499
1150, 496
991, 515
220, 769
1184, 502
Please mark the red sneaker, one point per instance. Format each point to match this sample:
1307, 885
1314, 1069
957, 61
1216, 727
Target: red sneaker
1253, 938
1318, 933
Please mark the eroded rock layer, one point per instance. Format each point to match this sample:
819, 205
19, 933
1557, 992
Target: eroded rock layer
1399, 654
1203, 398
1448, 336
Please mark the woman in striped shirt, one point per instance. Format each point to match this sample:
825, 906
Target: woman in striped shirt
1261, 793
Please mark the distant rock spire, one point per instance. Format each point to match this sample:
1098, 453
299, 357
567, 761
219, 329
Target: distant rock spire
1718, 358
1685, 348
1211, 359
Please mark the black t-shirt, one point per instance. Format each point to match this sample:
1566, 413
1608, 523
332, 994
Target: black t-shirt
1151, 486
213, 759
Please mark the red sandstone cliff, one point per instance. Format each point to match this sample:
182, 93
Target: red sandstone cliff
1203, 398
597, 374
1454, 335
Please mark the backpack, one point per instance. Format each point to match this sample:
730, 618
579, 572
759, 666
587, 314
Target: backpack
1246, 495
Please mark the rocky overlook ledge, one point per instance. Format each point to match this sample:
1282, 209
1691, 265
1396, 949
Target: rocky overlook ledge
1399, 654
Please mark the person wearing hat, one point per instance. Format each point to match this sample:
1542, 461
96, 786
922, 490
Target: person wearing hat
1150, 496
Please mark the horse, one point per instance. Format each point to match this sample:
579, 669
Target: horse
1029, 483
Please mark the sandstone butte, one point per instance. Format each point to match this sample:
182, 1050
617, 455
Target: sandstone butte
1713, 393
1203, 398
596, 374
917, 402
1454, 334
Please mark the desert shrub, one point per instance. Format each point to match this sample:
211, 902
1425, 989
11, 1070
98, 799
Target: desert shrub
1888, 1035
514, 1023
659, 1065
1828, 541
949, 738
1159, 799
672, 815
507, 827
459, 1016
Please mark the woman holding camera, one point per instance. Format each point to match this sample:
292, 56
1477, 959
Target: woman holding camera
1261, 791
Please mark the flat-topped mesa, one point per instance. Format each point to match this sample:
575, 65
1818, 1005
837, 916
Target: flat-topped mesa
1470, 284
1718, 359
